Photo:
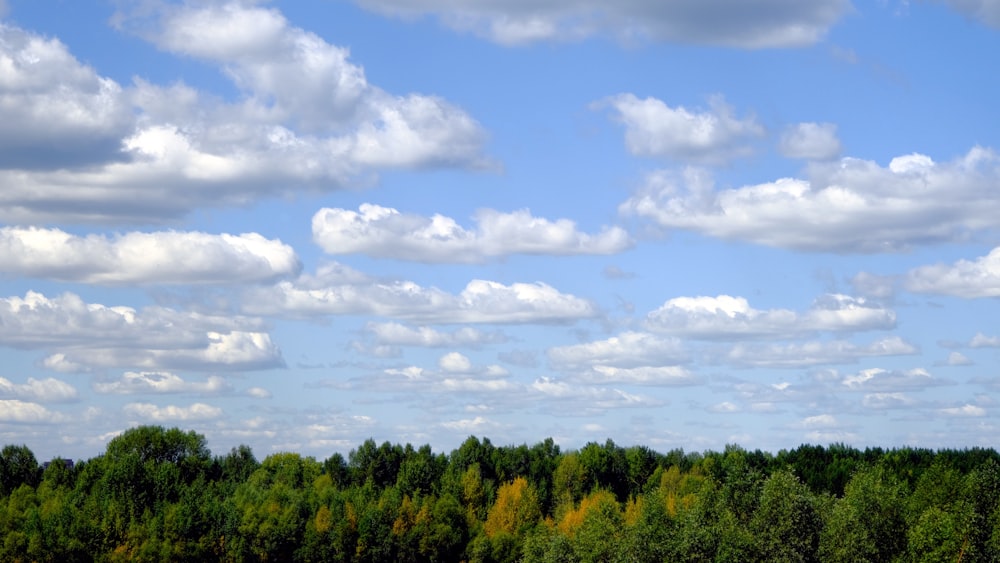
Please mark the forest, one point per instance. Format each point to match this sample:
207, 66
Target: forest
159, 494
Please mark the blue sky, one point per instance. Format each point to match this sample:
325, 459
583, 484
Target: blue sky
298, 225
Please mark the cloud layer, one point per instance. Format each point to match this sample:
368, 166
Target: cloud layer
384, 232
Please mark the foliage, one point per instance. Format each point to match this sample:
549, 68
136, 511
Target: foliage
157, 494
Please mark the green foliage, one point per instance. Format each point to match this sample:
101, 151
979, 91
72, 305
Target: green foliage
157, 495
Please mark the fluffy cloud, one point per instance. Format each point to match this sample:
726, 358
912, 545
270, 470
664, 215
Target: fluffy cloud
171, 413
877, 379
159, 257
726, 317
160, 382
965, 278
306, 118
980, 340
851, 206
47, 390
755, 24
815, 353
85, 335
53, 107
386, 233
396, 334
627, 350
338, 290
812, 141
17, 411
644, 375
652, 128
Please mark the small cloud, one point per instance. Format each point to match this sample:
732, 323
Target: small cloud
958, 359
966, 410
724, 407
258, 392
613, 272
980, 340
455, 363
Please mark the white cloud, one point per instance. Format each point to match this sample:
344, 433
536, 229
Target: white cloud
55, 109
453, 362
816, 353
338, 290
887, 401
386, 233
17, 411
258, 393
958, 359
172, 413
83, 335
47, 390
643, 375
965, 278
811, 141
965, 410
306, 118
724, 407
131, 383
629, 349
396, 334
652, 128
588, 399
878, 379
160, 257
726, 317
470, 426
850, 206
980, 340
753, 24
819, 421
986, 11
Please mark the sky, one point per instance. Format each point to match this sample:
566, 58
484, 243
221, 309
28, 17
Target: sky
681, 224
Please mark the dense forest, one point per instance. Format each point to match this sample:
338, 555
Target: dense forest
159, 494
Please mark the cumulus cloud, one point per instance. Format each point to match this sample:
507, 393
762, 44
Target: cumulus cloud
84, 335
47, 390
878, 379
727, 317
627, 350
965, 278
338, 290
455, 362
753, 25
54, 108
306, 119
143, 382
172, 413
966, 410
145, 258
396, 334
586, 399
386, 233
849, 206
714, 136
811, 141
644, 375
882, 401
26, 412
816, 353
980, 340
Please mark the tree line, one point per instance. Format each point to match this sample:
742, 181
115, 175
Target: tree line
158, 494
